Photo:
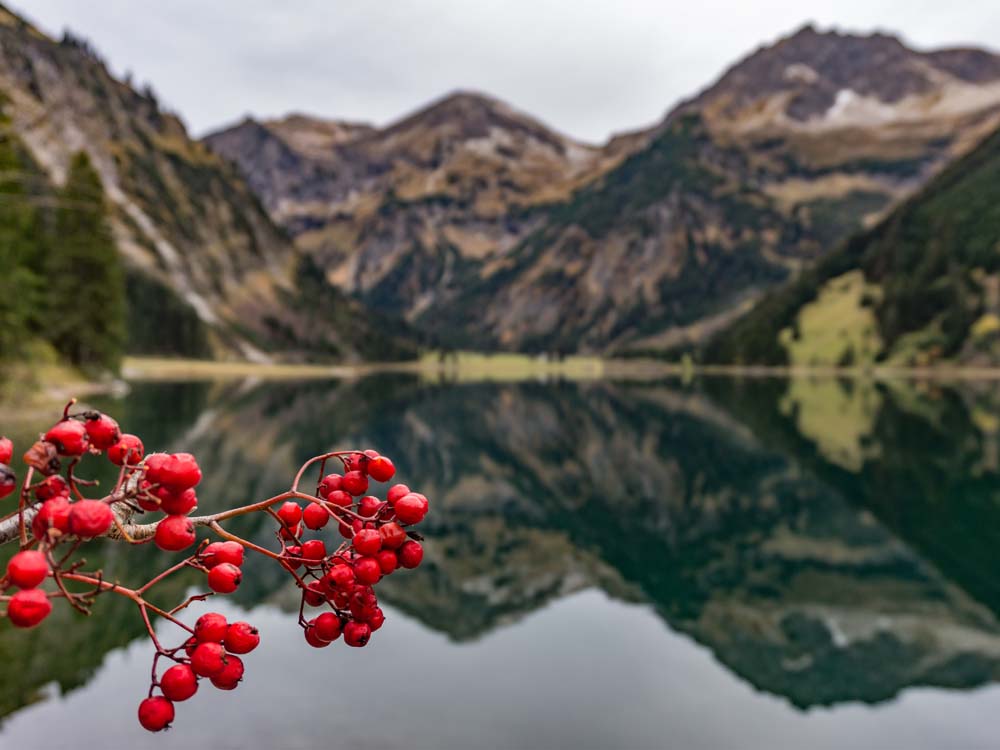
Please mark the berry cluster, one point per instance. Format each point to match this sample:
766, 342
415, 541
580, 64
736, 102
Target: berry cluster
376, 541
212, 652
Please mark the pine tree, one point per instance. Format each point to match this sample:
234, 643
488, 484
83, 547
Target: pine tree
84, 278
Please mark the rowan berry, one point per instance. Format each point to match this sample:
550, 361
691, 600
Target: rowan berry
222, 552
176, 503
179, 683
369, 506
376, 620
69, 437
174, 533
224, 578
6, 450
411, 554
367, 570
357, 634
313, 594
367, 542
392, 535
208, 659
129, 448
339, 577
411, 508
327, 626
8, 480
315, 516
290, 514
211, 626
102, 430
241, 638
29, 607
312, 637
156, 713
50, 487
27, 569
90, 518
341, 498
387, 561
54, 514
314, 550
230, 675
355, 483
381, 469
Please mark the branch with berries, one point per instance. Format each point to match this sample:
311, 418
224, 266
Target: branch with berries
54, 521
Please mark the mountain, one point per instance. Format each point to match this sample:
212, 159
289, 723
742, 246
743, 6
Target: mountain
208, 272
483, 226
920, 288
402, 215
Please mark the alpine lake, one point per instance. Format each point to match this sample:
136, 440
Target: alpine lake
714, 562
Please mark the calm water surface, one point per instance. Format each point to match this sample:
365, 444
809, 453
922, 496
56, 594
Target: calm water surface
722, 564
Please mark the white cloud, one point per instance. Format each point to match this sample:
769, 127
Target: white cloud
588, 68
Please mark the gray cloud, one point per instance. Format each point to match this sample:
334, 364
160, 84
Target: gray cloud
587, 68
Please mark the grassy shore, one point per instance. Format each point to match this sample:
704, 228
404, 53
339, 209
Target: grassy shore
469, 367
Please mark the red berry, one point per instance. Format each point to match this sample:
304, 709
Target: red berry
367, 542
392, 535
355, 483
156, 713
69, 437
395, 492
290, 533
27, 569
340, 578
241, 638
312, 637
90, 518
411, 508
387, 561
230, 675
314, 549
224, 578
223, 552
376, 620
327, 626
6, 450
50, 487
178, 471
381, 469
369, 506
129, 447
54, 514
356, 462
176, 503
211, 626
341, 498
102, 430
179, 683
208, 659
313, 594
315, 516
8, 481
367, 570
28, 608
357, 634
174, 533
411, 554
328, 484
290, 514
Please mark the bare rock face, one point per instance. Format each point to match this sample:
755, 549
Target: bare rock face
481, 226
184, 220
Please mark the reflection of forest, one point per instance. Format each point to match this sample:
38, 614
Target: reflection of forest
828, 541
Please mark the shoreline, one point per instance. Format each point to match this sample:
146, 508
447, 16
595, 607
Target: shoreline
517, 367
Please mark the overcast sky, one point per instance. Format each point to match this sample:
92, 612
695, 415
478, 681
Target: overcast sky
586, 68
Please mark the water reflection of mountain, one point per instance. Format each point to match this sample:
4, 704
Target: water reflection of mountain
825, 545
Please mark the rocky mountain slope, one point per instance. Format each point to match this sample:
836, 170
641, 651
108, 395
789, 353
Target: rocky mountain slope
203, 256
921, 287
480, 224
